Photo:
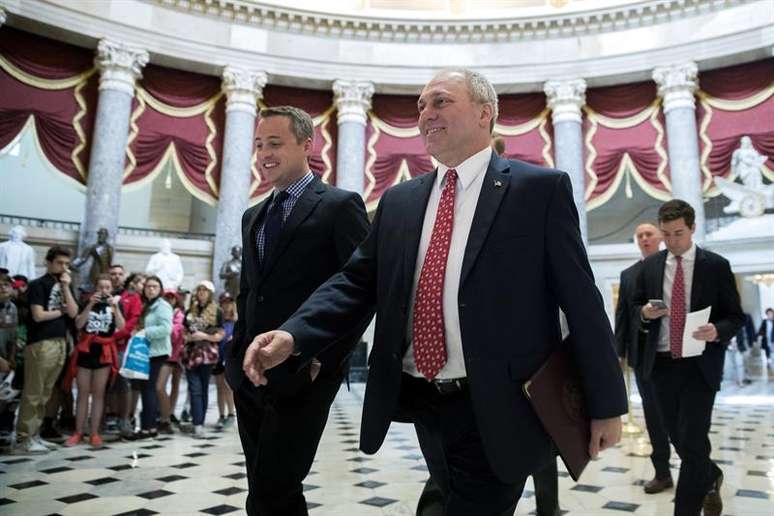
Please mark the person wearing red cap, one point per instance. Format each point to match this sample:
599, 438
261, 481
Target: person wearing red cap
225, 395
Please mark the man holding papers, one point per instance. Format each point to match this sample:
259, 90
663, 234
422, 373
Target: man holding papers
672, 287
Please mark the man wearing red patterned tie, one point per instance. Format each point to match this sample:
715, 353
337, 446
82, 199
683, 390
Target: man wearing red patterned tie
687, 278
467, 267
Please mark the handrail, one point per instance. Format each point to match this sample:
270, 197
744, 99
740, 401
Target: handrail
122, 230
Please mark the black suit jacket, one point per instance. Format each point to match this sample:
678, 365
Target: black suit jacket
713, 285
767, 339
322, 230
524, 259
627, 329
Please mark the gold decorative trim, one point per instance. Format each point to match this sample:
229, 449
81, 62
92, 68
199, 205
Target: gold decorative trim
172, 111
326, 136
623, 169
44, 84
370, 179
517, 130
547, 154
624, 123
739, 104
134, 130
213, 131
397, 132
658, 145
83, 109
591, 155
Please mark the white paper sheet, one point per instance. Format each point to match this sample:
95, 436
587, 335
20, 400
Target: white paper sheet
691, 346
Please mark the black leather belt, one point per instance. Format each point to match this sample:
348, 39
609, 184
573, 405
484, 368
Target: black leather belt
666, 355
450, 385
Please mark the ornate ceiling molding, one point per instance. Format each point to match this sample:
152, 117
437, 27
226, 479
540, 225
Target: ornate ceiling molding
633, 15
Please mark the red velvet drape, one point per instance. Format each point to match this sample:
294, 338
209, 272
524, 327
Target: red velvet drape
63, 116
622, 147
196, 139
722, 128
534, 146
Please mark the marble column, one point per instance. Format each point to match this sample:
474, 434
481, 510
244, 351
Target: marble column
565, 99
676, 86
119, 66
243, 88
353, 100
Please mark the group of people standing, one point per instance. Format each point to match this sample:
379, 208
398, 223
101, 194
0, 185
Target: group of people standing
61, 343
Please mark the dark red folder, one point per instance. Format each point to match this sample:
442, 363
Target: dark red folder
555, 394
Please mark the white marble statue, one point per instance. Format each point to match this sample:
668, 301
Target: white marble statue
746, 163
752, 197
167, 266
17, 256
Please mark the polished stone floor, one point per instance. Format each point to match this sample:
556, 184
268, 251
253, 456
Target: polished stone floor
180, 475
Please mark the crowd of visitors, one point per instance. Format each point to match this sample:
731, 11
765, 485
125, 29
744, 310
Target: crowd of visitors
68, 372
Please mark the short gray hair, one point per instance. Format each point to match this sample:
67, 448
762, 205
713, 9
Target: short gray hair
480, 89
301, 123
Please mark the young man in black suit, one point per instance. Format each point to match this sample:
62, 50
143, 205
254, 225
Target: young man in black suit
467, 268
687, 278
293, 242
628, 337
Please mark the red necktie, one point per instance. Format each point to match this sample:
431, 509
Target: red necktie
677, 311
427, 328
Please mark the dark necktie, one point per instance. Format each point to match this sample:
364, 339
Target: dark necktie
428, 328
273, 224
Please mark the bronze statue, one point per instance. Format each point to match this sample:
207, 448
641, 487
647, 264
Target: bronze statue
231, 271
101, 255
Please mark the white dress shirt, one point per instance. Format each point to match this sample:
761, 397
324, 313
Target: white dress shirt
689, 259
470, 177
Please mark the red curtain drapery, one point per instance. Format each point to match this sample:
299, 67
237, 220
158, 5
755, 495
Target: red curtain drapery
734, 102
179, 117
625, 142
53, 86
525, 125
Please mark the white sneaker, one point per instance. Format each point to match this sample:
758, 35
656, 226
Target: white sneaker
198, 432
43, 442
29, 447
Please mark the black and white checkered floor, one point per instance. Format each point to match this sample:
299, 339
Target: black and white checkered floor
180, 475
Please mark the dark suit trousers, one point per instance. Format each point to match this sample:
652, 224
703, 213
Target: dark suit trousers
654, 422
280, 436
686, 403
449, 438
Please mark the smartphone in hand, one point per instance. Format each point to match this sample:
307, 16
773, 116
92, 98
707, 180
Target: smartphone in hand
657, 303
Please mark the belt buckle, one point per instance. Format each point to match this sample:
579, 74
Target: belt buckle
445, 386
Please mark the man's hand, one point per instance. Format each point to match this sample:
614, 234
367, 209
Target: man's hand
706, 332
65, 279
651, 312
604, 434
267, 350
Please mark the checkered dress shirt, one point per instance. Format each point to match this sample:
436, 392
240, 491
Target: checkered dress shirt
294, 192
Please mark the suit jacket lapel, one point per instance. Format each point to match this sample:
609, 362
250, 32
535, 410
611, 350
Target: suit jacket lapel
698, 272
496, 183
301, 210
414, 206
660, 275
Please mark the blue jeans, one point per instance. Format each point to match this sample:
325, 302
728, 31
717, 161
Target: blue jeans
198, 387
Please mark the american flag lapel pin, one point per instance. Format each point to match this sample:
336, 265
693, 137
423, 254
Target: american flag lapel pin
498, 183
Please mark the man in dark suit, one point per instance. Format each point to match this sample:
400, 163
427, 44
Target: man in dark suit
686, 278
292, 242
467, 268
628, 337
766, 334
